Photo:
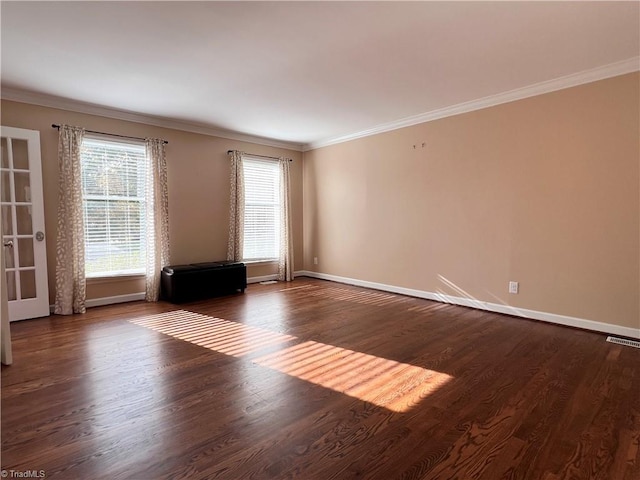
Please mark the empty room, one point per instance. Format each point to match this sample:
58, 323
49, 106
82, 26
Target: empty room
320, 240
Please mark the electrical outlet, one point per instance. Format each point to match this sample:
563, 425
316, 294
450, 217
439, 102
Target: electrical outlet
513, 287
315, 260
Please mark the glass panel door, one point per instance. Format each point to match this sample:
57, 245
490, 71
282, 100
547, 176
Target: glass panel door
22, 209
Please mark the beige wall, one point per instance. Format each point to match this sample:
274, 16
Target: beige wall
544, 191
198, 175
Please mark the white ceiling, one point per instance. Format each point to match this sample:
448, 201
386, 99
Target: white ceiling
304, 72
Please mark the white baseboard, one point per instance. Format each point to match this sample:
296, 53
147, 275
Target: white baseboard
133, 297
263, 278
267, 278
491, 307
438, 297
99, 302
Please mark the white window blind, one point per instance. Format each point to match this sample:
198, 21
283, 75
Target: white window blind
262, 209
113, 198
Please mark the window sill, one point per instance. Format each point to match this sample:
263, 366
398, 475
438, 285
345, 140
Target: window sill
260, 262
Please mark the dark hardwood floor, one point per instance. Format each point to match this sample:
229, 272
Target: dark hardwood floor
316, 380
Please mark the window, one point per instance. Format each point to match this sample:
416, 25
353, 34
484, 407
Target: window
261, 209
113, 203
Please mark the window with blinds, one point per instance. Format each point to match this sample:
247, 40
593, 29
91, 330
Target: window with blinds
261, 209
113, 199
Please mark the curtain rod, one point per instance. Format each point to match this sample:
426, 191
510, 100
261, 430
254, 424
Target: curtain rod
261, 156
53, 125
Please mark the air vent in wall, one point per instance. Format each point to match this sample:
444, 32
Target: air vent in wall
624, 341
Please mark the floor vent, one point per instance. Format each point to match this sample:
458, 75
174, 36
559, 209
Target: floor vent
624, 341
268, 282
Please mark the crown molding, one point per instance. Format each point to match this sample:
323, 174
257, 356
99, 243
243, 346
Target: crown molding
587, 76
61, 103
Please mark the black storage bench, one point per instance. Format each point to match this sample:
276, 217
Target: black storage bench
198, 281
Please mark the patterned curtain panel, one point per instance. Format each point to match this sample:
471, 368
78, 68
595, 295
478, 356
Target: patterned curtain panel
157, 224
236, 210
285, 261
70, 281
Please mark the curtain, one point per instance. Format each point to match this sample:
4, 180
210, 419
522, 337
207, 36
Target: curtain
157, 225
236, 209
70, 282
285, 261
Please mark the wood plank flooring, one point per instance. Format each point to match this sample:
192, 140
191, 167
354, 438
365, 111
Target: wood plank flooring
317, 380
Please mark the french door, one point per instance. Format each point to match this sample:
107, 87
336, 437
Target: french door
22, 206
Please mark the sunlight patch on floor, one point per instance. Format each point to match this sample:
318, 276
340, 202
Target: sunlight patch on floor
226, 337
387, 383
383, 382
